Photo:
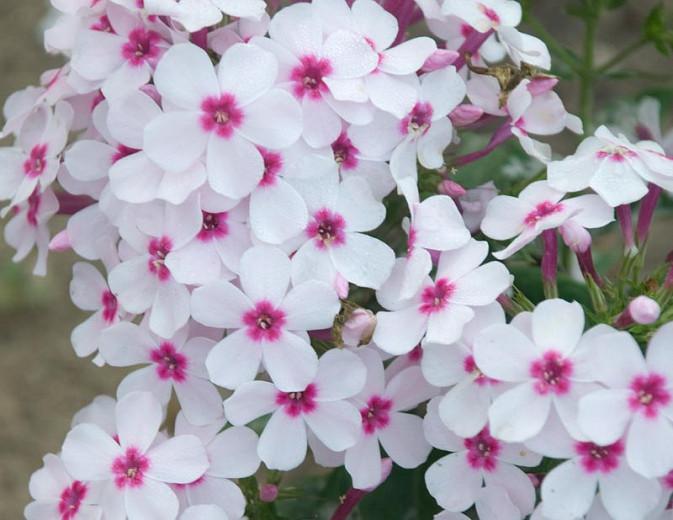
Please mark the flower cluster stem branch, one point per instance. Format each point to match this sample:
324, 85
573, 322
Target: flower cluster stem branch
470, 46
626, 224
621, 56
550, 263
501, 135
70, 204
646, 212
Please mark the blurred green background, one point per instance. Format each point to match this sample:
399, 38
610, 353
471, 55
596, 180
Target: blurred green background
42, 382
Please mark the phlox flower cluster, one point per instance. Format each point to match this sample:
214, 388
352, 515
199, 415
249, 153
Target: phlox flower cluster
226, 166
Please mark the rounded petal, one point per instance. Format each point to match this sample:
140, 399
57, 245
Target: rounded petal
291, 362
247, 72
337, 424
568, 492
363, 462
400, 331
287, 120
180, 460
233, 453
504, 353
283, 443
277, 212
220, 304
341, 374
139, 416
234, 360
234, 166
363, 260
453, 483
250, 401
175, 140
404, 441
604, 414
648, 446
558, 325
519, 413
88, 452
310, 305
199, 399
152, 501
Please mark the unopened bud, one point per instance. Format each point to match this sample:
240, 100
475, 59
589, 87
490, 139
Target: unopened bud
359, 328
644, 310
451, 188
439, 59
268, 493
341, 286
466, 114
60, 242
575, 236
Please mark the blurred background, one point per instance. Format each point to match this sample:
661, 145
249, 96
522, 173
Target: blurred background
43, 383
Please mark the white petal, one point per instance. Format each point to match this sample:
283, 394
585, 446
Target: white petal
446, 326
283, 443
220, 304
152, 501
568, 492
170, 310
179, 460
548, 333
139, 416
175, 140
247, 72
250, 401
291, 362
234, 166
310, 305
277, 212
363, 462
233, 453
504, 353
199, 399
403, 440
341, 374
349, 54
604, 414
453, 483
287, 120
648, 446
519, 413
363, 260
337, 424
88, 453
626, 495
400, 331
234, 360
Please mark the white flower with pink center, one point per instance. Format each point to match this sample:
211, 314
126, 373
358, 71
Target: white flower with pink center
204, 512
133, 176
334, 241
317, 71
89, 291
481, 469
390, 86
28, 228
194, 15
638, 400
321, 408
441, 308
120, 55
550, 370
538, 208
175, 363
224, 113
101, 412
613, 167
569, 490
136, 469
267, 322
57, 495
143, 282
384, 408
464, 408
32, 164
232, 454
352, 163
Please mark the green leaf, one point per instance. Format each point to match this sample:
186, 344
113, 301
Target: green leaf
658, 31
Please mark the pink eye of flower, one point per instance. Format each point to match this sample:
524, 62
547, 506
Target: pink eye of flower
308, 77
273, 163
142, 46
542, 210
37, 161
71, 499
34, 203
110, 306
102, 24
376, 415
264, 322
158, 250
616, 154
552, 372
129, 469
435, 297
170, 364
327, 229
470, 367
418, 121
345, 153
123, 151
214, 226
490, 14
599, 458
649, 394
296, 403
482, 450
221, 115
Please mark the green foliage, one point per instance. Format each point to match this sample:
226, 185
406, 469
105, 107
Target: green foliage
659, 30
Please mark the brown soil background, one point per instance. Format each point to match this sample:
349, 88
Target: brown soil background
42, 382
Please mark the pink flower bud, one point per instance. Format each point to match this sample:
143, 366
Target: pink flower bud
439, 59
466, 114
60, 242
575, 236
268, 493
359, 328
341, 286
644, 310
539, 86
451, 188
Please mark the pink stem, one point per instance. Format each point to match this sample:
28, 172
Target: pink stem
70, 204
352, 499
321, 335
624, 319
586, 261
549, 258
501, 135
200, 38
626, 223
470, 47
646, 212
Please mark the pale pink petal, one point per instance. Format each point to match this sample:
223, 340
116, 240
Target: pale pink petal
337, 424
444, 90
453, 483
234, 360
363, 462
504, 217
297, 28
283, 443
604, 414
220, 304
442, 365
287, 120
97, 54
357, 205
456, 264
179, 460
88, 452
199, 399
349, 54
321, 125
408, 57
247, 72
403, 440
648, 445
558, 325
626, 495
504, 353
393, 94
135, 179
446, 326
170, 310
290, 361
250, 401
139, 416
519, 413
265, 274
464, 409
310, 305
126, 344
341, 374
431, 146
516, 483
277, 212
400, 331
233, 453
234, 165
133, 284
363, 260
175, 140
378, 24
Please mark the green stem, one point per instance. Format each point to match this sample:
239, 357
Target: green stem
621, 56
587, 74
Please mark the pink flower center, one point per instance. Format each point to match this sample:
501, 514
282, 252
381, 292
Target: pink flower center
158, 250
308, 77
552, 372
376, 415
435, 297
327, 229
214, 226
296, 403
470, 367
482, 451
668, 480
615, 154
123, 151
490, 14
466, 30
595, 458
542, 210
273, 163
170, 364
37, 161
194, 484
221, 115
142, 46
649, 394
416, 354
129, 469
264, 322
110, 306
34, 203
71, 500
345, 153
102, 24
418, 121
